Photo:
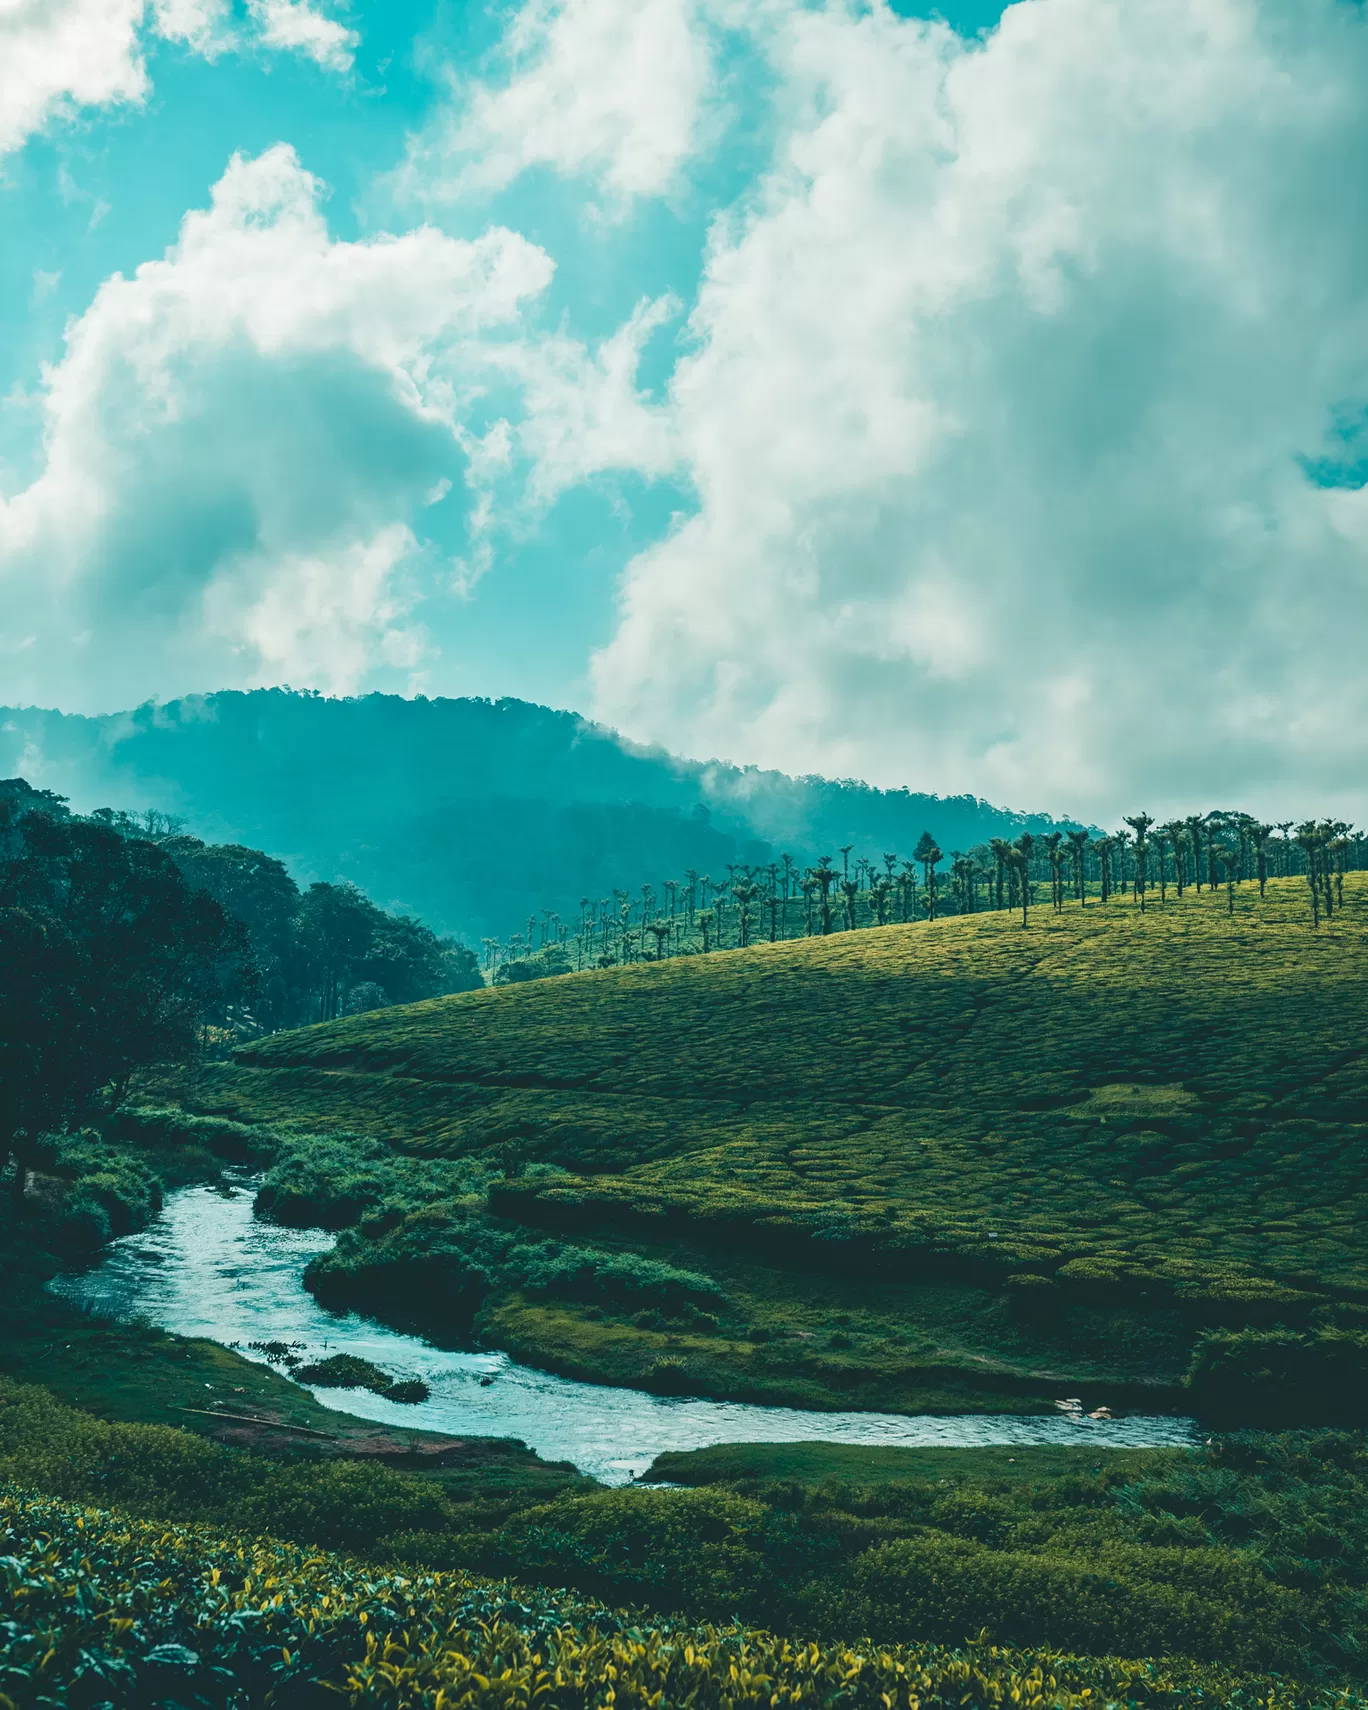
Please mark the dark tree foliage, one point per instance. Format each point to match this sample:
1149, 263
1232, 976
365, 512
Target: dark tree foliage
313, 951
109, 959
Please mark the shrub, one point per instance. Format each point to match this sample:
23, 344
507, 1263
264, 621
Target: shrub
169, 1129
97, 1608
434, 1267
1281, 1377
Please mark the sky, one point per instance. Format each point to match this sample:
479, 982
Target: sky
969, 399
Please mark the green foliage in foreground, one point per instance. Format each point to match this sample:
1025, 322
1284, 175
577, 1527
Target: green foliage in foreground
98, 1609
1167, 1108
1253, 1555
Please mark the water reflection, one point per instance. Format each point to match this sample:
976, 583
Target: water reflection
207, 1267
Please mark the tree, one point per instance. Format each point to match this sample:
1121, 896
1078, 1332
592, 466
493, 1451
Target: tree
1175, 830
1103, 850
823, 876
1259, 835
1002, 856
1140, 824
108, 962
1019, 866
1023, 847
337, 923
1053, 841
1308, 839
850, 889
1194, 830
1230, 856
907, 887
1078, 849
745, 890
929, 854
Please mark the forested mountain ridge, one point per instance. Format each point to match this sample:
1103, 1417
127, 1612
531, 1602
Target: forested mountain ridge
469, 813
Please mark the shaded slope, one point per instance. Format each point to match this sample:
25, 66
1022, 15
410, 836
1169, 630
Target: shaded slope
1172, 1105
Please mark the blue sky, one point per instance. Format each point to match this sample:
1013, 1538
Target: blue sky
945, 401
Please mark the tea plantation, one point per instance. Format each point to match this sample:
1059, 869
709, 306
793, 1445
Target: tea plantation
1166, 1111
96, 1609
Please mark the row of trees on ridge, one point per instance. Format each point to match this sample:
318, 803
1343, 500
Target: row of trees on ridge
699, 913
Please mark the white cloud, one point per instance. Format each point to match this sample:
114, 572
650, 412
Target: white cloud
58, 57
612, 89
1003, 380
237, 440
295, 26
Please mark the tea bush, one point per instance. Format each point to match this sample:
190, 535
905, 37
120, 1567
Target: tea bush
97, 1609
435, 1266
331, 1182
1279, 1377
1254, 1553
154, 1470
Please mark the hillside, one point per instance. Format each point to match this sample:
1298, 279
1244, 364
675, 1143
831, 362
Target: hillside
470, 814
1161, 1115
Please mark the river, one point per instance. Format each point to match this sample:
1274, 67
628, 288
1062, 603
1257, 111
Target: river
207, 1267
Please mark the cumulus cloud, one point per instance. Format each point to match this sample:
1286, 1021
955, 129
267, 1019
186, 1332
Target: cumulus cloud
1005, 380
295, 26
610, 89
60, 56
240, 439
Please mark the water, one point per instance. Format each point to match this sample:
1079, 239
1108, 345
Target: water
207, 1267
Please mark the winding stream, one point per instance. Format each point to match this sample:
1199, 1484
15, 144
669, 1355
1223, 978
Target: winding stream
207, 1267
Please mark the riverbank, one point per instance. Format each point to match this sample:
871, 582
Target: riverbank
207, 1266
1078, 1545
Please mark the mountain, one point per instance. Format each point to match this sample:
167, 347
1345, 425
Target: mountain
472, 814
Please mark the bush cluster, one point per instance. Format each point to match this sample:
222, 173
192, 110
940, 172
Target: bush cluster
99, 1609
434, 1266
1254, 1554
332, 1181
1282, 1377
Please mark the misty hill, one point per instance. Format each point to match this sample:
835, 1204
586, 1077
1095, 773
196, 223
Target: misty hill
471, 814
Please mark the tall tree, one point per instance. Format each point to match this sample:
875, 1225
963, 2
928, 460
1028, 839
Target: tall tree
823, 877
1002, 856
1259, 835
1140, 824
1309, 841
1053, 840
1103, 848
929, 854
1078, 849
1176, 830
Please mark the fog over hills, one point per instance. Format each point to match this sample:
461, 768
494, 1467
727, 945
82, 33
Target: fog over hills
469, 813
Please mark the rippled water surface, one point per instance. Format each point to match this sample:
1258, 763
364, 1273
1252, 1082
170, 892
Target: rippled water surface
207, 1267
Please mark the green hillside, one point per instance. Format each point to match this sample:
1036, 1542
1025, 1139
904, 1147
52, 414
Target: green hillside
1161, 1114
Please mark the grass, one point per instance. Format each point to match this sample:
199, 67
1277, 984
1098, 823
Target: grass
861, 1464
935, 1160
